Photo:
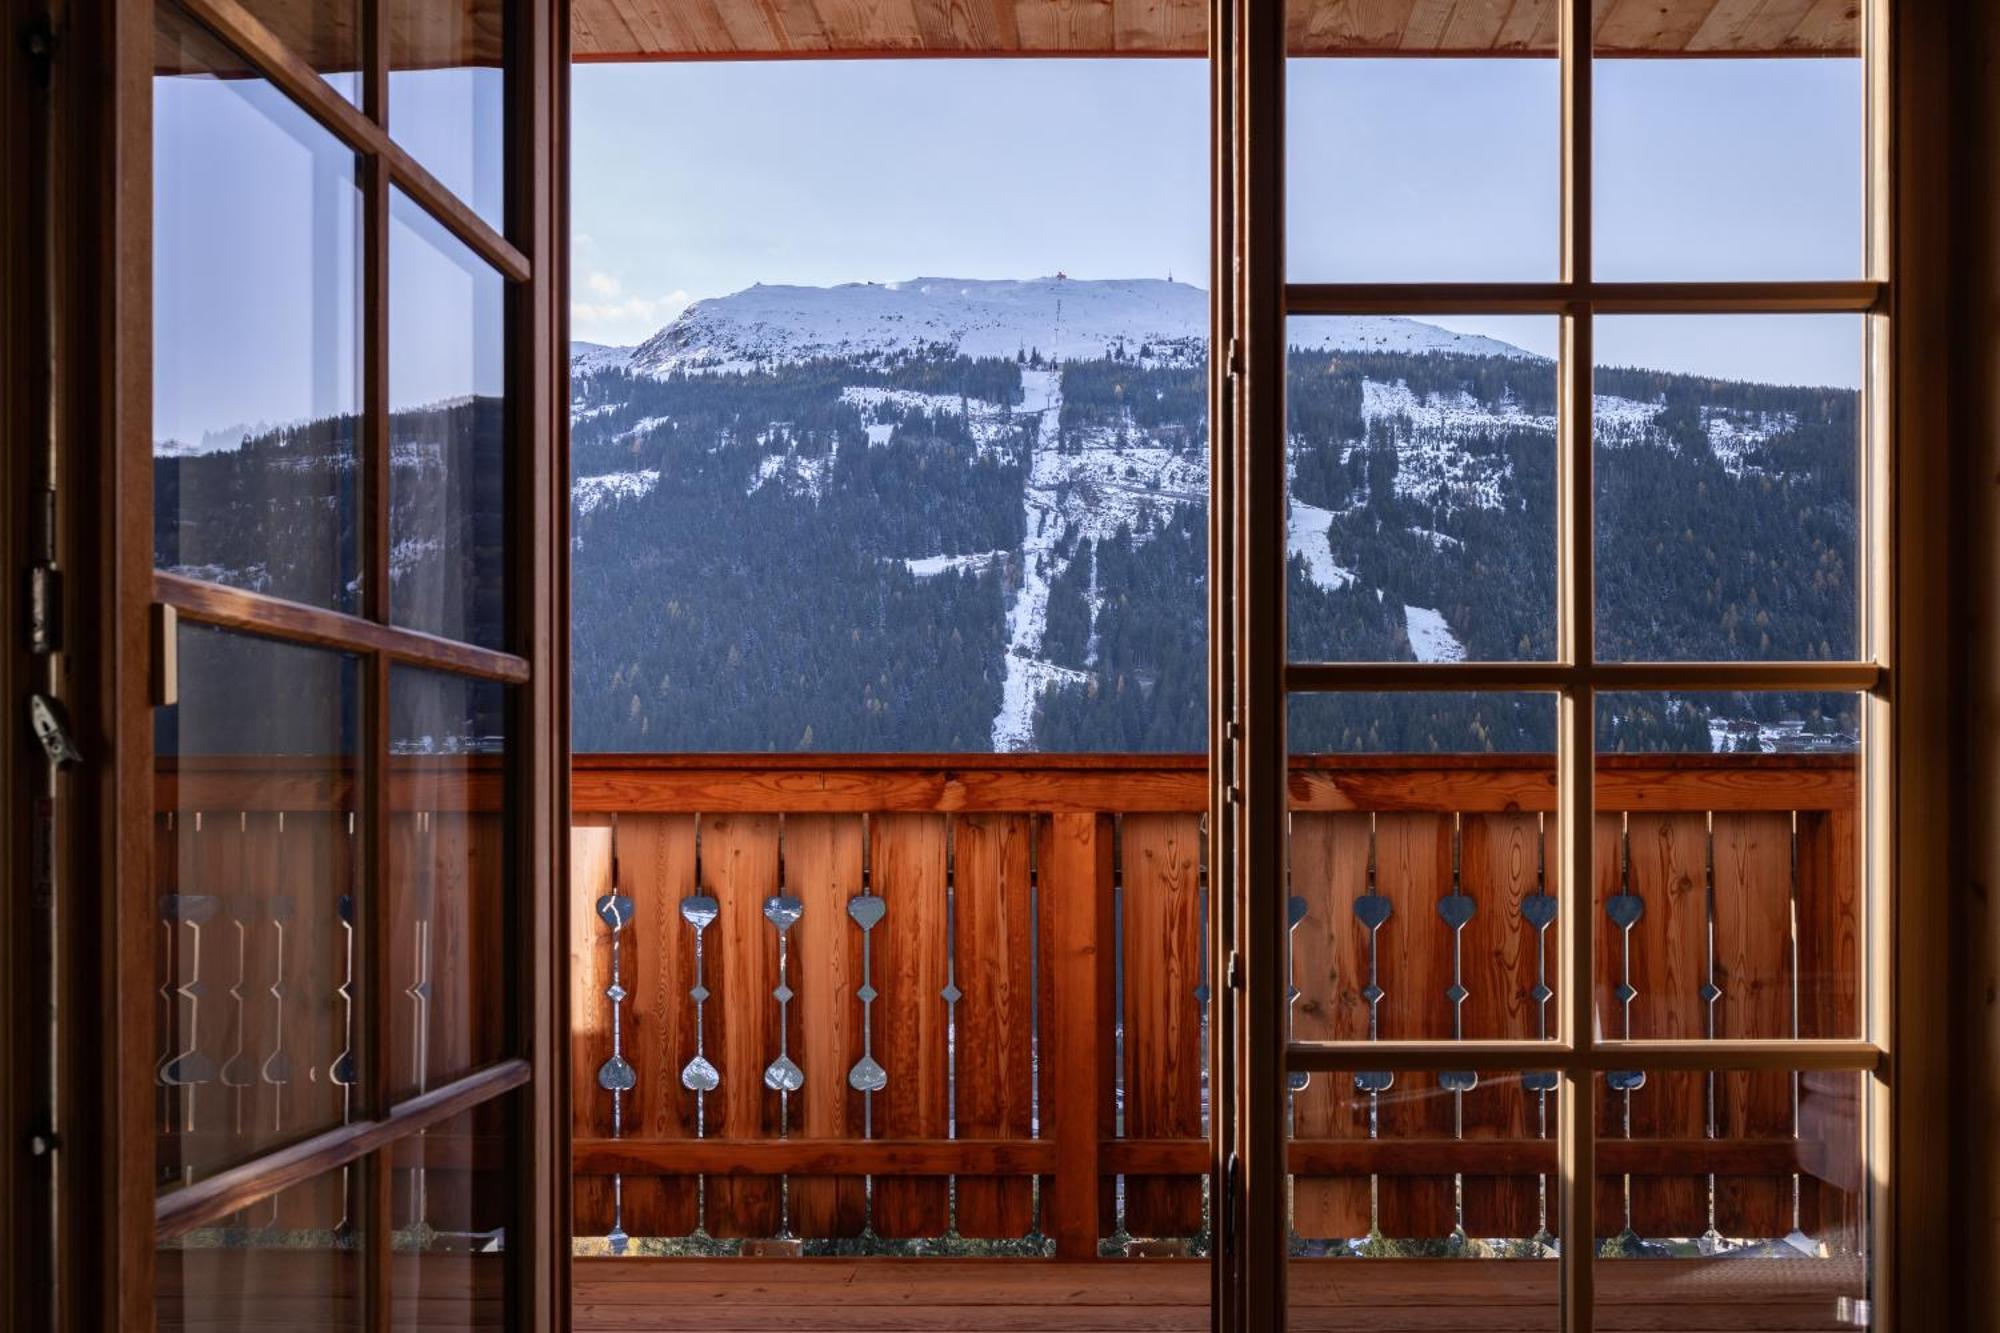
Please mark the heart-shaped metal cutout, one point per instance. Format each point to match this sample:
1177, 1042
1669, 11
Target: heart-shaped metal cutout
614, 909
1540, 1080
700, 911
867, 909
1625, 1080
1298, 1080
188, 1070
236, 1071
1372, 909
867, 1076
1457, 909
1374, 1080
1625, 909
1295, 912
277, 1067
781, 1075
699, 1075
1457, 1080
617, 1075
783, 912
1539, 911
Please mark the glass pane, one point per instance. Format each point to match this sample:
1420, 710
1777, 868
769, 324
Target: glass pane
1421, 853
447, 433
447, 877
256, 332
1729, 862
1457, 1165
1422, 471
291, 1261
1734, 168
1729, 452
1733, 1199
255, 871
451, 1202
326, 34
1415, 170
447, 101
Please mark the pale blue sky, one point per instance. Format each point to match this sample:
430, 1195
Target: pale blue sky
697, 179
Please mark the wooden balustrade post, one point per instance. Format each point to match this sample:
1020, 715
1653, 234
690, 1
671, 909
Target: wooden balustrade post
1077, 1048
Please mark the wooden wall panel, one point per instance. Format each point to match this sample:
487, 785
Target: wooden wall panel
739, 867
590, 851
1829, 896
1669, 967
1500, 866
1753, 971
1161, 859
1413, 858
993, 941
656, 869
823, 871
1329, 870
907, 863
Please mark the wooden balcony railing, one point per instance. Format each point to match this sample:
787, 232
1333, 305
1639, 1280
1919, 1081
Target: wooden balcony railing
983, 1016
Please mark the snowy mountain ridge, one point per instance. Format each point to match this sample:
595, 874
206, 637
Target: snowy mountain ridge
1061, 318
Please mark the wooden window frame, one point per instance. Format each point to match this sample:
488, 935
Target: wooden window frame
106, 1276
1902, 672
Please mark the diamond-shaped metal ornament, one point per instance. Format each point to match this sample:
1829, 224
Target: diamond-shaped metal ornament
1456, 993
1711, 992
866, 994
1371, 993
782, 994
952, 994
698, 993
1541, 994
1626, 992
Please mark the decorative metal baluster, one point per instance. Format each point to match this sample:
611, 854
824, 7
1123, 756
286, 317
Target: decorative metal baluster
699, 1075
1711, 992
1295, 912
236, 1071
187, 1068
616, 1075
782, 1075
1539, 911
1372, 910
1625, 908
1456, 909
341, 1072
867, 1077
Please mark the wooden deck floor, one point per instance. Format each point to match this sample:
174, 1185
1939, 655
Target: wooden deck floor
636, 1295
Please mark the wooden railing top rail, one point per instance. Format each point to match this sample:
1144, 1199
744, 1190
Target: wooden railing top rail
1057, 784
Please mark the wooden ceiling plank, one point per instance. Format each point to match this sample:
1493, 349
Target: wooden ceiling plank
1648, 25
1152, 26
1474, 25
1832, 26
1530, 26
1748, 25
1423, 25
1067, 25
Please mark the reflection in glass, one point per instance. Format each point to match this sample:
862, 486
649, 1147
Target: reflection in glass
451, 1201
447, 878
255, 871
1728, 891
256, 333
1728, 169
1422, 471
447, 433
292, 1260
1728, 466
447, 95
1700, 1175
1412, 170
325, 34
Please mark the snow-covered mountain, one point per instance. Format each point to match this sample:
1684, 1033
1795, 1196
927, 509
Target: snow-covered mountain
1064, 319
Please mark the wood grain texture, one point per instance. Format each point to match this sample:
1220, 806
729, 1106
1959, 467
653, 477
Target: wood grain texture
906, 855
1413, 859
590, 851
1830, 905
1073, 868
1500, 864
739, 867
823, 870
994, 941
647, 29
1329, 870
1753, 969
656, 869
1161, 860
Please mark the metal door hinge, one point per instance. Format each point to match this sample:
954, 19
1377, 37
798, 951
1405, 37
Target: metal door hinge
44, 610
45, 717
1232, 975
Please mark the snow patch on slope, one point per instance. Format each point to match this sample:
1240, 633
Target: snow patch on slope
587, 493
1307, 541
1431, 638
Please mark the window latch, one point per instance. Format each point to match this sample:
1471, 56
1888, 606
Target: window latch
45, 716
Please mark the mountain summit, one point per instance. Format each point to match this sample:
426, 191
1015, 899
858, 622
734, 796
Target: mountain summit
1062, 319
